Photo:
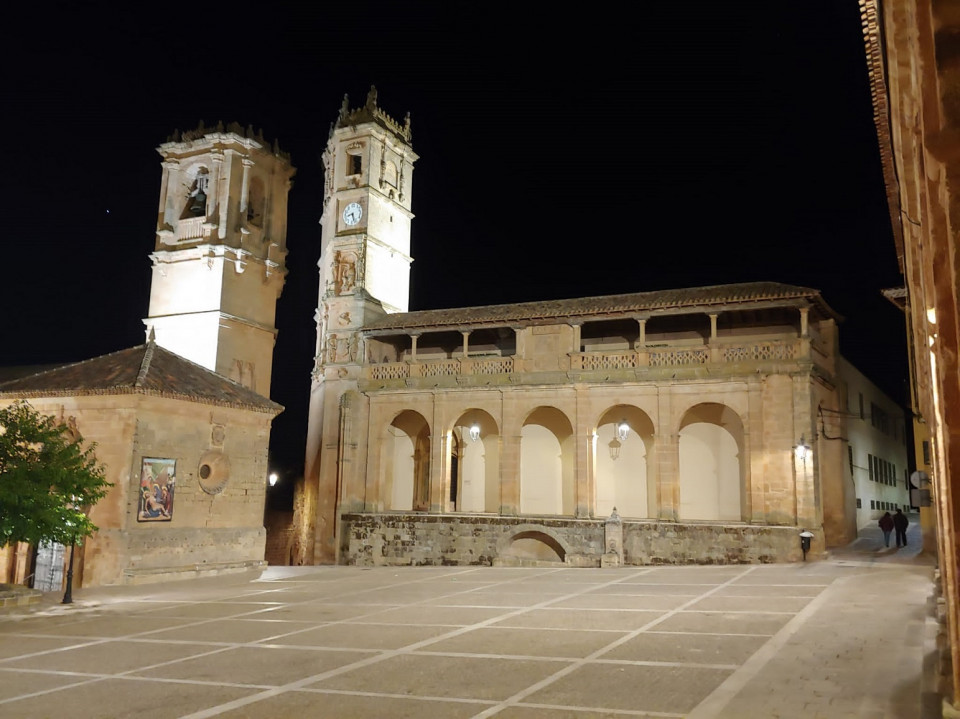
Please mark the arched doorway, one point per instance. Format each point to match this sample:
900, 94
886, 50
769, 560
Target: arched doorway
405, 463
474, 482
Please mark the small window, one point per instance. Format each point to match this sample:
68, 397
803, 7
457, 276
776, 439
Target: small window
858, 503
873, 504
354, 164
861, 405
926, 452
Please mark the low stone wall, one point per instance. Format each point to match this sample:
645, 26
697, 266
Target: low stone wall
124, 557
396, 539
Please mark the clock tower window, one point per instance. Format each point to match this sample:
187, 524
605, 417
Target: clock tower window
354, 164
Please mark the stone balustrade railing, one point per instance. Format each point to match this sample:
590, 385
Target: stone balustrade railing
759, 351
190, 228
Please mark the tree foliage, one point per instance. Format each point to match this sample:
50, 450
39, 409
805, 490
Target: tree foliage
48, 479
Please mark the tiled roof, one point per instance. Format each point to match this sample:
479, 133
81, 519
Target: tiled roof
145, 369
689, 299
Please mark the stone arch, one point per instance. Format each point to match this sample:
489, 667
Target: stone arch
529, 543
405, 463
547, 467
622, 468
473, 484
712, 465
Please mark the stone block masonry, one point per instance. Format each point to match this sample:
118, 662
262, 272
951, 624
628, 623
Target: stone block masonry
419, 539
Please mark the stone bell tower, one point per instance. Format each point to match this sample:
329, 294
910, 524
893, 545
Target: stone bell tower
364, 273
219, 259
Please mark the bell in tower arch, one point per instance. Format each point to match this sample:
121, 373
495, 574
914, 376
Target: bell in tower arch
198, 205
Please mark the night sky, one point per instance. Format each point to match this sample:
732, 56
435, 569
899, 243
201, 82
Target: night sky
587, 152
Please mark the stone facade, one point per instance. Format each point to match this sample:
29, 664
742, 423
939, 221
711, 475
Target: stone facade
911, 53
216, 434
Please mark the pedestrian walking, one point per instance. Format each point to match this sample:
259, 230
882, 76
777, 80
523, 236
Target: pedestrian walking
886, 526
900, 523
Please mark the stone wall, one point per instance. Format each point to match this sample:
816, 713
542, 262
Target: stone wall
214, 528
397, 539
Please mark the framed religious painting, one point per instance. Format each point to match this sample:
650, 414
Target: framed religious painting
157, 489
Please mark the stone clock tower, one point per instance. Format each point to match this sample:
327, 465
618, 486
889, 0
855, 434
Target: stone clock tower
364, 273
219, 260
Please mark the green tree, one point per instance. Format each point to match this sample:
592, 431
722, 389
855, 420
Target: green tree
47, 479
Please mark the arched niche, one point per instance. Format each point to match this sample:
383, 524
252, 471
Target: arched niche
622, 463
547, 476
711, 464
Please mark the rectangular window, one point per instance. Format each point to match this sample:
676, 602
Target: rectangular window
354, 164
873, 504
870, 467
926, 452
858, 503
861, 405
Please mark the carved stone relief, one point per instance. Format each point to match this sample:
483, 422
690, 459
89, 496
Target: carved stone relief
344, 272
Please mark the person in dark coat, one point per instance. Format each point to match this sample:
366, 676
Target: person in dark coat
900, 523
886, 526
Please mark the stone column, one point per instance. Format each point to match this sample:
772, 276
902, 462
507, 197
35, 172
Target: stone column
466, 342
509, 458
714, 349
214, 190
804, 321
440, 461
413, 347
245, 188
755, 495
225, 195
171, 177
583, 456
668, 458
809, 510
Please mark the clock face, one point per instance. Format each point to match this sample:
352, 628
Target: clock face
352, 213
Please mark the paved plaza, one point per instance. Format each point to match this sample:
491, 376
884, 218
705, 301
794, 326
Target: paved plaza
846, 637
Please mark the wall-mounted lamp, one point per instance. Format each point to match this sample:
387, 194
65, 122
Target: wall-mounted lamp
802, 449
623, 429
474, 432
272, 479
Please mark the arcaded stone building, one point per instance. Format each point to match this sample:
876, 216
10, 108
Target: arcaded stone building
657, 427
